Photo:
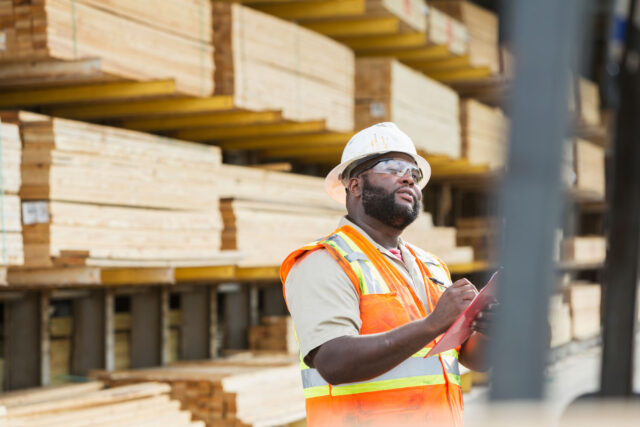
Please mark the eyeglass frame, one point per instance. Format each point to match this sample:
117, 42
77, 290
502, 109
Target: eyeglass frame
385, 159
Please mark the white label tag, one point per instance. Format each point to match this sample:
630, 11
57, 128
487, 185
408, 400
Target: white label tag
35, 213
377, 109
3, 41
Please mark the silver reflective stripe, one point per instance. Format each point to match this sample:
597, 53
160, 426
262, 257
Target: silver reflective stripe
412, 367
451, 365
312, 378
352, 256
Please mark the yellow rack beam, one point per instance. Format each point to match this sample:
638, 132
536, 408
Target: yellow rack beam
204, 120
258, 273
307, 139
417, 54
456, 76
392, 41
447, 64
196, 274
356, 27
313, 9
214, 133
146, 108
137, 276
86, 93
469, 267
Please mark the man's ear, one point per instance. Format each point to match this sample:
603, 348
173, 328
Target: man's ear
354, 186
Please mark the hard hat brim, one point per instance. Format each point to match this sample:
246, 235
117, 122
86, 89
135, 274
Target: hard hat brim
335, 189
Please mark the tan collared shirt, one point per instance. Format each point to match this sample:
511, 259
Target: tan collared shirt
323, 301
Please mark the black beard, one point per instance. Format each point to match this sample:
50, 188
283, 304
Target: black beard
381, 205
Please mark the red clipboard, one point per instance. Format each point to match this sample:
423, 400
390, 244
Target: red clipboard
460, 330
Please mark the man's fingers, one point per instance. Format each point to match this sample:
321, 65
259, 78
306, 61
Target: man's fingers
461, 282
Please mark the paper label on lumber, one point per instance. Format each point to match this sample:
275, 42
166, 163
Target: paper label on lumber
35, 212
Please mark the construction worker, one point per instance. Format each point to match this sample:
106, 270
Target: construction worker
367, 306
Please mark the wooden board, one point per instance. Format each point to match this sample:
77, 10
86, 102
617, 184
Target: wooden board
559, 320
11, 246
589, 167
275, 333
423, 108
130, 38
484, 134
584, 249
584, 301
74, 405
270, 64
442, 29
482, 25
250, 390
482, 234
441, 241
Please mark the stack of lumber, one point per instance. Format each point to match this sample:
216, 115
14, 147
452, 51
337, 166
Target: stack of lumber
270, 64
409, 12
587, 102
584, 249
443, 29
275, 333
256, 204
97, 195
249, 183
559, 320
60, 329
89, 405
584, 301
483, 31
482, 234
589, 164
122, 340
484, 134
426, 110
227, 392
11, 250
133, 40
266, 232
440, 241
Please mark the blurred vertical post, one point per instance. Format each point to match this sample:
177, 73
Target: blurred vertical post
621, 272
545, 39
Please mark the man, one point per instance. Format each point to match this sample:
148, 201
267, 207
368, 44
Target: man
367, 306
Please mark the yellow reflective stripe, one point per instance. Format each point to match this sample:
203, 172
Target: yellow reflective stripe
372, 270
310, 392
423, 352
423, 380
364, 286
354, 265
450, 353
454, 379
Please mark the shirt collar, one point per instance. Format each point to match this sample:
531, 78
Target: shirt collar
401, 244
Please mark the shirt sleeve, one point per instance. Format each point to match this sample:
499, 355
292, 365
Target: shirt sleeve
322, 300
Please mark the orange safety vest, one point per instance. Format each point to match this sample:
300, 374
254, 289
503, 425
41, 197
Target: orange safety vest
419, 391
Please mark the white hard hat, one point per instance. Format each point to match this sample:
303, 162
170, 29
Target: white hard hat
378, 139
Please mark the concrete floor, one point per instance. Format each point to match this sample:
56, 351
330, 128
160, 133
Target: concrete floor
565, 380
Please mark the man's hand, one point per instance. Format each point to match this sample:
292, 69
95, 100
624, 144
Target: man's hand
485, 319
454, 300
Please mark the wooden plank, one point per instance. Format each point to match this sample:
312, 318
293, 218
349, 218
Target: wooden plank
54, 277
86, 93
30, 73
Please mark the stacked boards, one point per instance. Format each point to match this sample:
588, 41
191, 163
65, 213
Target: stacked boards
440, 241
584, 249
11, 248
559, 321
589, 167
275, 333
484, 134
426, 110
482, 26
268, 214
96, 195
443, 29
264, 391
90, 404
584, 300
172, 39
270, 64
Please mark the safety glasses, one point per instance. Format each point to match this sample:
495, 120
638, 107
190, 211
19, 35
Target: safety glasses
397, 168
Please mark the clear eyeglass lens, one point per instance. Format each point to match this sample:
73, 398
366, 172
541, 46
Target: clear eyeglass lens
398, 168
